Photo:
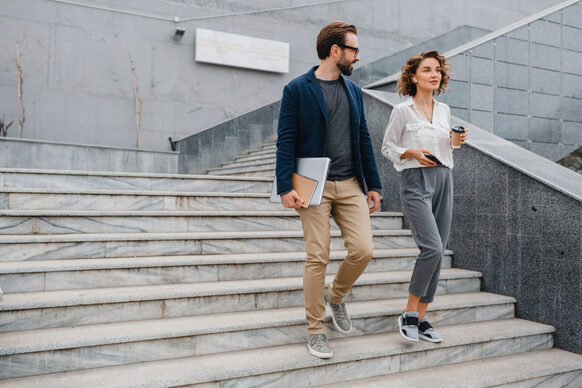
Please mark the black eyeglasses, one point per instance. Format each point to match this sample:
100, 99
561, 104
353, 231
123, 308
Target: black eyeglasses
356, 49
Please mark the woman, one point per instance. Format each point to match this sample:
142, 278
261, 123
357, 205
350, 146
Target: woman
418, 130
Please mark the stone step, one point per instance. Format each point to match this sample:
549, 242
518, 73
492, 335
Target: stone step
103, 245
260, 168
285, 365
36, 310
34, 352
539, 368
247, 158
25, 222
58, 199
268, 173
266, 151
23, 178
249, 163
49, 275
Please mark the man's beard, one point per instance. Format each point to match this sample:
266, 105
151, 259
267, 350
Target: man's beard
344, 66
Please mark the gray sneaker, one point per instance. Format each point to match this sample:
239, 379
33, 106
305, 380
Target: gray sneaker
427, 332
408, 325
318, 346
340, 317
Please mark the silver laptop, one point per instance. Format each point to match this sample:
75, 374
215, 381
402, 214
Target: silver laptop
314, 168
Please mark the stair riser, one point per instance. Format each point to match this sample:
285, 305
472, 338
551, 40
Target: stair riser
251, 158
98, 356
130, 183
179, 307
162, 224
245, 169
334, 373
267, 151
100, 249
48, 281
36, 201
562, 380
249, 163
263, 174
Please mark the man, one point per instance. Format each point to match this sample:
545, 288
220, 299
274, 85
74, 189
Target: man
322, 114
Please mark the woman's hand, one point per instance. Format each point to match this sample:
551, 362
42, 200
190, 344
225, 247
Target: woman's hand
462, 136
418, 154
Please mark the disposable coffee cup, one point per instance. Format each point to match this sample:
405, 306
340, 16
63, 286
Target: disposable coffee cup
456, 139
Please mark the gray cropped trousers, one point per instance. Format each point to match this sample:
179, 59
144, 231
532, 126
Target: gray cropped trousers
427, 202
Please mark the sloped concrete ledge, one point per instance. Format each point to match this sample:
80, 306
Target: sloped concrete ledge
25, 153
517, 220
215, 145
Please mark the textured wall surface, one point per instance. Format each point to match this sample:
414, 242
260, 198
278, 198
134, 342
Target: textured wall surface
78, 86
511, 223
227, 140
526, 85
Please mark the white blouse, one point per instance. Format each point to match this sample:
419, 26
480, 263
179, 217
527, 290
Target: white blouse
408, 128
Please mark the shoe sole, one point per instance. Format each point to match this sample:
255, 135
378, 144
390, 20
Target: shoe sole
319, 354
337, 327
402, 333
425, 338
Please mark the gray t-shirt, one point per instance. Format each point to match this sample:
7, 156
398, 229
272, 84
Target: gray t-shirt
339, 145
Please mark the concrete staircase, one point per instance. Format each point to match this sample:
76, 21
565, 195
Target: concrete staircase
128, 279
258, 163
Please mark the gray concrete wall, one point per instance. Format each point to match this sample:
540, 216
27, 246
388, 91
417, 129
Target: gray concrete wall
517, 219
526, 85
46, 155
217, 144
78, 83
227, 140
377, 70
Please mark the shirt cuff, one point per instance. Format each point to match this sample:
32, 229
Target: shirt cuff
398, 152
376, 189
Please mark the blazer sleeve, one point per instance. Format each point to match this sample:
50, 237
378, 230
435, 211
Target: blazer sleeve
286, 139
367, 152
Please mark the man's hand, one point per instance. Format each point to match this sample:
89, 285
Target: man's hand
290, 200
373, 196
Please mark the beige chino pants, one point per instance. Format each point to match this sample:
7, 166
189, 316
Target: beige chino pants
348, 206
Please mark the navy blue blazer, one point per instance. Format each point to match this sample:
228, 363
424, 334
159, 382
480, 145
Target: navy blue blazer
302, 130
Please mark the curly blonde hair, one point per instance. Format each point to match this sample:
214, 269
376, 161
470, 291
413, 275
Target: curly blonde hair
408, 88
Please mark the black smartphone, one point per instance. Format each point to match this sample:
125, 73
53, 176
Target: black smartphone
434, 159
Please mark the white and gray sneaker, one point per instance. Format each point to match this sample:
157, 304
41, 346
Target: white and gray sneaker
427, 332
318, 346
340, 317
408, 325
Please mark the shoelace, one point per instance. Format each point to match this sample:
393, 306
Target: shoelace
341, 311
319, 340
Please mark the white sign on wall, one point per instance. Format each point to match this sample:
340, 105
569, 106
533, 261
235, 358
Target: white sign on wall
241, 51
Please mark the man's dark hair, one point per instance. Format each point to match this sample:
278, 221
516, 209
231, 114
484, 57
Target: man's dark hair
333, 33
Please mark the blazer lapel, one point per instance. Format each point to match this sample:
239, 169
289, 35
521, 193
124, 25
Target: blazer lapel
354, 111
316, 90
